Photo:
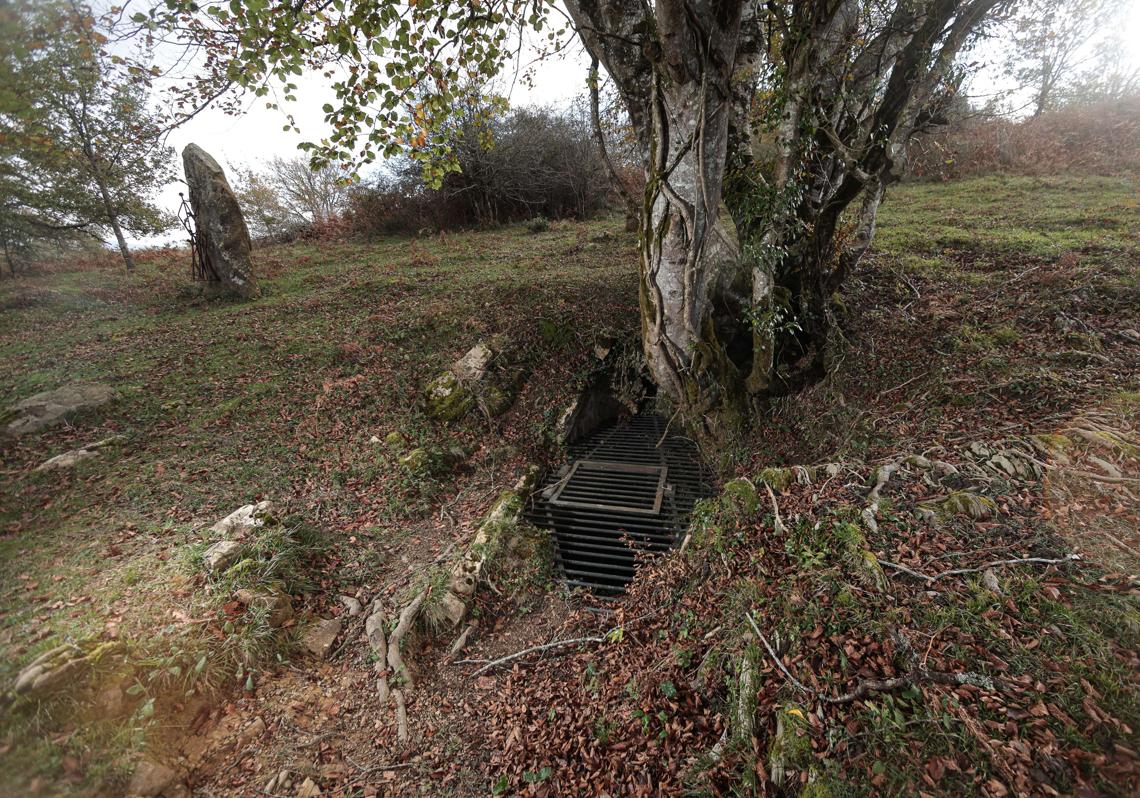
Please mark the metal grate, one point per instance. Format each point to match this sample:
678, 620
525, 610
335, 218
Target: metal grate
629, 489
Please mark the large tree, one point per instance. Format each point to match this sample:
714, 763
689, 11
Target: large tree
758, 125
78, 147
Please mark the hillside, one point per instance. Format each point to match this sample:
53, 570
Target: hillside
987, 376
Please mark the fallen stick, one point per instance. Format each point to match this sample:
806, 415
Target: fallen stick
916, 675
995, 564
535, 649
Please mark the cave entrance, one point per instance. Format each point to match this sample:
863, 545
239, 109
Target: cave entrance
627, 490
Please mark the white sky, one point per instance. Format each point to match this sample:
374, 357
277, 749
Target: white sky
258, 134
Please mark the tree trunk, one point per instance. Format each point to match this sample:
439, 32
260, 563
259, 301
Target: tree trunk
689, 246
113, 217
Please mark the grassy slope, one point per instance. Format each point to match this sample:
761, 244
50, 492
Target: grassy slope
226, 403
222, 404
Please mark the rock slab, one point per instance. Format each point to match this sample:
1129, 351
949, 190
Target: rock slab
320, 636
76, 456
51, 407
219, 222
150, 779
221, 555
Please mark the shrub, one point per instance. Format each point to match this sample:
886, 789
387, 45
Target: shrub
516, 166
1099, 139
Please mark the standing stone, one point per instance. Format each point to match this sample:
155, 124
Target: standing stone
219, 222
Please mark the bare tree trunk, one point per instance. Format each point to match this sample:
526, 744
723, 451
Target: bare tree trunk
689, 244
113, 217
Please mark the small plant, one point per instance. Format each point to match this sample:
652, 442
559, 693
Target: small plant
539, 224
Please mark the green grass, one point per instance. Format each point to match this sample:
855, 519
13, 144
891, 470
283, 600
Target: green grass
223, 402
1043, 217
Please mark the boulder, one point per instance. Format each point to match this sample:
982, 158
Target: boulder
222, 555
51, 407
447, 398
244, 519
219, 223
150, 779
70, 459
482, 377
351, 605
320, 636
277, 603
472, 367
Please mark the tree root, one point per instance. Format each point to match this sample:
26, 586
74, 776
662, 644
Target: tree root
460, 642
395, 657
778, 525
401, 716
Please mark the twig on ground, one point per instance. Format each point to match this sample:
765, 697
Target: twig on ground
915, 675
535, 649
772, 653
995, 564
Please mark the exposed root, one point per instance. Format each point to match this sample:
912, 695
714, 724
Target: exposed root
401, 716
374, 629
460, 641
395, 657
778, 524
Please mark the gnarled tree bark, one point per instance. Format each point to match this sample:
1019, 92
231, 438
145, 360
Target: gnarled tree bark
844, 85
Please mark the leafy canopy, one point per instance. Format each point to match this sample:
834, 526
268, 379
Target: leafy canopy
398, 70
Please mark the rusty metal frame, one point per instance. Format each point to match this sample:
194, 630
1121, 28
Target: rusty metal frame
661, 471
201, 267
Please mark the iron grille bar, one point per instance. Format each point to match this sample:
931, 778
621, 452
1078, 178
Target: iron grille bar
628, 492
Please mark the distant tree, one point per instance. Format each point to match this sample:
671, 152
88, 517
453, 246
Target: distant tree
287, 193
79, 147
1112, 78
1051, 41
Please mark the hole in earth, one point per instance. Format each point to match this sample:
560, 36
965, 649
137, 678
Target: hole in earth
628, 490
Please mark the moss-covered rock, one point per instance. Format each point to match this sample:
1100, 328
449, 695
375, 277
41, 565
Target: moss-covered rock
417, 461
742, 494
777, 479
448, 399
395, 442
